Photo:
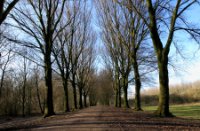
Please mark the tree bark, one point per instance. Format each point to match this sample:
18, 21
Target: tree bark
66, 100
163, 107
126, 98
24, 89
119, 94
116, 89
80, 97
137, 86
38, 96
23, 99
74, 92
116, 97
49, 110
2, 81
162, 59
85, 100
125, 87
29, 100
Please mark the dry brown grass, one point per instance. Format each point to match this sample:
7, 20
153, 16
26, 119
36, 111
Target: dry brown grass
191, 90
180, 93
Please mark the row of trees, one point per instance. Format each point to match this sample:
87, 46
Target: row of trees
58, 37
139, 34
125, 37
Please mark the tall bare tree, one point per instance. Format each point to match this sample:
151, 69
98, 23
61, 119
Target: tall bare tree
140, 50
39, 20
168, 15
36, 80
61, 53
71, 44
85, 68
24, 84
115, 37
3, 68
88, 86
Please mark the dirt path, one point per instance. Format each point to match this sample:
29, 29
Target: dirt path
102, 119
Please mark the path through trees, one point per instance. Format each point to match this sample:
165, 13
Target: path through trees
103, 118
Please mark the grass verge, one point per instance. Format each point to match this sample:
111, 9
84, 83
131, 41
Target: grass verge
185, 110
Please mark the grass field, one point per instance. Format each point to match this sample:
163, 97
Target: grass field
185, 110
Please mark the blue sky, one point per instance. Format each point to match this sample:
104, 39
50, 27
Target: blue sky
189, 67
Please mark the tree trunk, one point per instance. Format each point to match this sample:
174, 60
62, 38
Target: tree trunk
125, 87
1, 84
24, 89
80, 97
162, 59
66, 100
116, 89
116, 97
126, 98
163, 107
90, 101
29, 100
74, 93
23, 100
85, 100
38, 96
119, 95
49, 110
137, 86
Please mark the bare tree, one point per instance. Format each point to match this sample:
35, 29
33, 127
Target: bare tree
39, 20
6, 57
62, 59
88, 86
24, 87
3, 68
36, 78
141, 53
62, 54
78, 39
86, 58
168, 15
85, 68
115, 38
74, 52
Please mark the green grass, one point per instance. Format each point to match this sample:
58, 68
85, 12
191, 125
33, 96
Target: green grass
185, 111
